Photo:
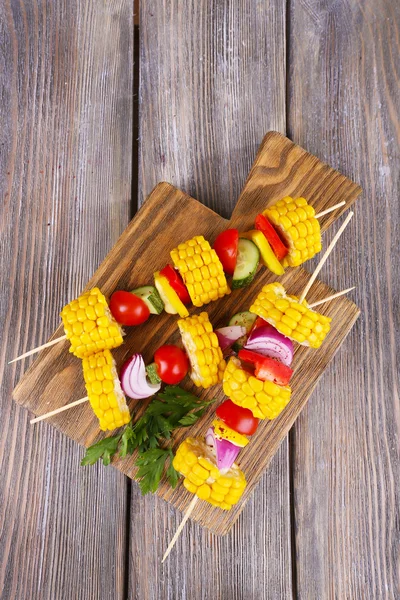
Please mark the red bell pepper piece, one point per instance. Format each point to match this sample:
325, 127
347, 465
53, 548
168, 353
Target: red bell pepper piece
176, 282
267, 368
277, 245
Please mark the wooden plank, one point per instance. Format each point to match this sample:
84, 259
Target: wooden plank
212, 83
65, 164
343, 105
53, 379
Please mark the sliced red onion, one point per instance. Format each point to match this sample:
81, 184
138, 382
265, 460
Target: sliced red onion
228, 335
133, 379
268, 341
225, 451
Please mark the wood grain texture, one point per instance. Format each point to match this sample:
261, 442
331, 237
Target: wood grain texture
55, 379
344, 76
65, 164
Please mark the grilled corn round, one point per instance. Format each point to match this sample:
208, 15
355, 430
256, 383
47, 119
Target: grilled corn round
89, 324
297, 321
196, 462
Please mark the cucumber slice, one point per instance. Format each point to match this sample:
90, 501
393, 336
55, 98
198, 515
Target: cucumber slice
151, 371
239, 344
151, 297
243, 319
246, 265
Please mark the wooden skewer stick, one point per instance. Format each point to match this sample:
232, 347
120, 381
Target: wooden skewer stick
181, 526
342, 293
42, 347
59, 410
329, 210
325, 256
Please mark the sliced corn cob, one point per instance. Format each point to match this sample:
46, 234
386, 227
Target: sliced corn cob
104, 390
201, 270
301, 231
202, 347
297, 321
265, 399
196, 462
89, 324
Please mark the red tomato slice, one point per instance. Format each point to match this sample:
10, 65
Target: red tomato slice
238, 418
267, 368
172, 364
226, 246
128, 309
277, 245
176, 282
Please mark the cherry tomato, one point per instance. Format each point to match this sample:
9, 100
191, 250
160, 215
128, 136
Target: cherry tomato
128, 309
226, 246
176, 282
238, 418
172, 364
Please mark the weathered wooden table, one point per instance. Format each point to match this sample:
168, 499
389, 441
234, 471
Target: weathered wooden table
80, 125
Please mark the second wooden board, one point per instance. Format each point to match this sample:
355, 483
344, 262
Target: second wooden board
167, 218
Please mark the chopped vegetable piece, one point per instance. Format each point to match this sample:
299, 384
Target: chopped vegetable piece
225, 451
197, 463
244, 319
226, 246
222, 430
201, 270
228, 335
151, 297
266, 340
176, 282
268, 257
247, 262
202, 347
294, 320
133, 379
152, 374
265, 399
128, 309
172, 303
295, 221
238, 418
267, 368
172, 364
89, 324
277, 245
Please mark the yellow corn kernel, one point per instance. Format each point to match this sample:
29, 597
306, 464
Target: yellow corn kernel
298, 322
201, 270
104, 390
266, 403
89, 324
201, 345
209, 484
296, 222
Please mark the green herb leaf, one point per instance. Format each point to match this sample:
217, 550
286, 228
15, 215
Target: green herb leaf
127, 441
151, 467
104, 449
170, 409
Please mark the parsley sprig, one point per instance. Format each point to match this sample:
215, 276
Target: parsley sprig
169, 410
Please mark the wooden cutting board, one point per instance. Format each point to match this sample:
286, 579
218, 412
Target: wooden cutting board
167, 218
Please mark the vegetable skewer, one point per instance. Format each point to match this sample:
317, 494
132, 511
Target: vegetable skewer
85, 399
203, 276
